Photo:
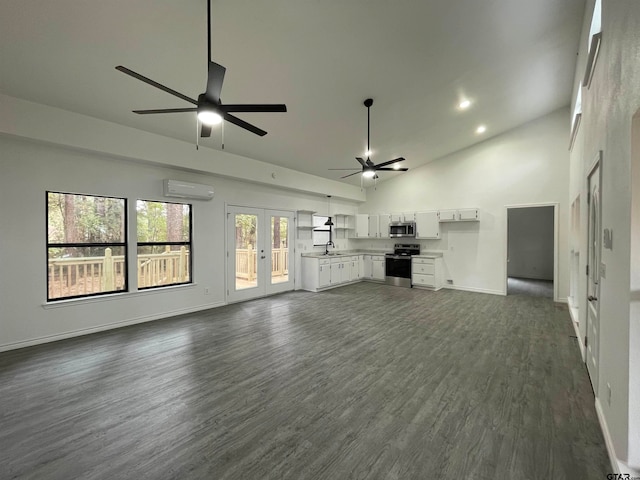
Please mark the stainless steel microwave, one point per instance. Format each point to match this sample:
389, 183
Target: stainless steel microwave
402, 229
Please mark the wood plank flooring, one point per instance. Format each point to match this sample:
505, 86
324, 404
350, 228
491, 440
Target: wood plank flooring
364, 381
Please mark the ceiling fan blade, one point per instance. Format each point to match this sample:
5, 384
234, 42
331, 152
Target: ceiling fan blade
165, 110
215, 77
385, 169
153, 83
245, 125
390, 162
356, 173
254, 108
205, 130
370, 163
361, 161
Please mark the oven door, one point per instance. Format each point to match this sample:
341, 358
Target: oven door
398, 270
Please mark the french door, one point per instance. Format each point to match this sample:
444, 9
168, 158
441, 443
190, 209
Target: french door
592, 339
259, 258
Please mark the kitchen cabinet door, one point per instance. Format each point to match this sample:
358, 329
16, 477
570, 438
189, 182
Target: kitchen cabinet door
324, 275
448, 215
427, 225
367, 266
383, 225
374, 226
362, 226
378, 267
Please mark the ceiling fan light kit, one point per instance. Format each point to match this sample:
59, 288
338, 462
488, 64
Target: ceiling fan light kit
209, 108
370, 169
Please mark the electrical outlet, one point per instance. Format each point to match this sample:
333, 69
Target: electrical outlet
603, 270
609, 394
207, 290
449, 281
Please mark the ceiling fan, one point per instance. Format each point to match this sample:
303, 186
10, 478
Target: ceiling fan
369, 168
210, 109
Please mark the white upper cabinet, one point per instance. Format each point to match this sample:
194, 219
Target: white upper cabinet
409, 217
362, 226
460, 215
374, 226
468, 215
448, 215
427, 225
383, 224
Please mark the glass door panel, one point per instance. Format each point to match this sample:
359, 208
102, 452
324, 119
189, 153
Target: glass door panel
246, 241
279, 249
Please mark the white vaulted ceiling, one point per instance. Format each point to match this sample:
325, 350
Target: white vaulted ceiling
514, 59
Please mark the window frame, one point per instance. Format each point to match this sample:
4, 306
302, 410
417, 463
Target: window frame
320, 228
188, 244
124, 245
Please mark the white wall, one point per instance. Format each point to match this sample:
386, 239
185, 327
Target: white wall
29, 169
527, 165
608, 107
530, 243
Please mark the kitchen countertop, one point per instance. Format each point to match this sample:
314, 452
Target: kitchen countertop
346, 253
349, 253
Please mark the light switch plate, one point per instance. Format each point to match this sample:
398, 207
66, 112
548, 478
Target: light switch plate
603, 270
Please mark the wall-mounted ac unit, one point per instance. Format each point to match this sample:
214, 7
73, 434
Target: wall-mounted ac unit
177, 188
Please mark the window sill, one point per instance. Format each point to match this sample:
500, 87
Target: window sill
113, 296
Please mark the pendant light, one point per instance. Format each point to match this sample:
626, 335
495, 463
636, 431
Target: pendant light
329, 222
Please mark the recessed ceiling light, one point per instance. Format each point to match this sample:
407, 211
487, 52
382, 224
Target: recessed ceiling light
481, 129
464, 104
368, 153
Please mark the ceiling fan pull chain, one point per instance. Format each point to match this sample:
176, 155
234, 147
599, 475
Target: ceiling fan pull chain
197, 133
222, 132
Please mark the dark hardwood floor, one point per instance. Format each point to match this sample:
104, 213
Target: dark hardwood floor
363, 381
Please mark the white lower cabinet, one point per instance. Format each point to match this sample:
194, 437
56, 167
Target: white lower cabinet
427, 272
340, 270
321, 273
377, 267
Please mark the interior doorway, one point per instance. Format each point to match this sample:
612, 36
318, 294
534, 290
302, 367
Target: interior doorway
531, 264
594, 251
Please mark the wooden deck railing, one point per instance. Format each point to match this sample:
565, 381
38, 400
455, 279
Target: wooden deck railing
247, 262
70, 277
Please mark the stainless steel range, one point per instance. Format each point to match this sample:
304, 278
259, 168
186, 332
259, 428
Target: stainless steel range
398, 264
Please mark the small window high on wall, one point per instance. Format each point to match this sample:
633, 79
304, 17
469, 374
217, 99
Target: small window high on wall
596, 21
86, 245
164, 244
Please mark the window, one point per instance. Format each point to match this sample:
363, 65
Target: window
321, 232
86, 245
164, 243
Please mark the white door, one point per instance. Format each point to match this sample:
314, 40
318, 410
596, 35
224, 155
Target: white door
592, 339
259, 259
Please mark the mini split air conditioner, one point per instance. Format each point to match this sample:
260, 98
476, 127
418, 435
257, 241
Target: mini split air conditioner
176, 188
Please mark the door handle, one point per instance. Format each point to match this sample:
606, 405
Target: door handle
591, 298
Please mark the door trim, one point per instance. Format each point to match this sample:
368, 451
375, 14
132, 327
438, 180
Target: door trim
556, 233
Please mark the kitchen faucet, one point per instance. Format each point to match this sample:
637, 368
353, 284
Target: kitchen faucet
326, 247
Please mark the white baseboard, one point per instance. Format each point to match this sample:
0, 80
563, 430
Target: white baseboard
110, 326
474, 289
618, 466
573, 312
